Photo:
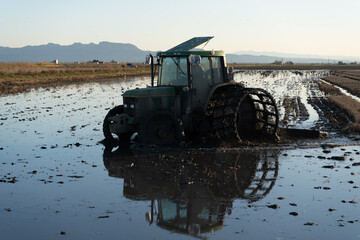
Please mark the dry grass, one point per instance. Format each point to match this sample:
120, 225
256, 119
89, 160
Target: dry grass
355, 75
18, 77
29, 69
351, 107
329, 89
349, 80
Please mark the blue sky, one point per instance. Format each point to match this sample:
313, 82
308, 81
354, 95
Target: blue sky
321, 27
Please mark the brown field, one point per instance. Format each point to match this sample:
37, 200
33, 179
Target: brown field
19, 77
329, 89
349, 67
349, 80
351, 107
346, 104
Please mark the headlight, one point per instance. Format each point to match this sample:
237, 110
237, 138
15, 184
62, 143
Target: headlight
132, 106
125, 105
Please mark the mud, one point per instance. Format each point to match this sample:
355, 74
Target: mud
58, 182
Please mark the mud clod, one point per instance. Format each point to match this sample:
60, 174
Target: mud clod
328, 166
13, 180
338, 158
273, 206
309, 224
75, 176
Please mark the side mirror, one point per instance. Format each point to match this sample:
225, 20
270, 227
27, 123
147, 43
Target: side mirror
230, 73
195, 59
148, 59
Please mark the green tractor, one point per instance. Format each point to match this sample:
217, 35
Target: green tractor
195, 97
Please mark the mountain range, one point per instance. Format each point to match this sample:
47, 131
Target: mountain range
77, 52
126, 52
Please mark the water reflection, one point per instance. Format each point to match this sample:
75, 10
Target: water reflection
192, 192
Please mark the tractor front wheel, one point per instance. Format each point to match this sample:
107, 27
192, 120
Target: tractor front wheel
161, 128
109, 137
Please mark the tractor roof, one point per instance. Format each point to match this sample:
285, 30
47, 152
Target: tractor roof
184, 48
190, 44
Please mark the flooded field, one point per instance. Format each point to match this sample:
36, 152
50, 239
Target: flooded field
58, 182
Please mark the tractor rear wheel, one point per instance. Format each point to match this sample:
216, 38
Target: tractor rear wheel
109, 137
239, 114
161, 128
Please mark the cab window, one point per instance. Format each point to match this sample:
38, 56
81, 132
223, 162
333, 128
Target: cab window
217, 69
202, 71
173, 71
209, 70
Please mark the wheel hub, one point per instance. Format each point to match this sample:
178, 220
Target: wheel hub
162, 133
161, 129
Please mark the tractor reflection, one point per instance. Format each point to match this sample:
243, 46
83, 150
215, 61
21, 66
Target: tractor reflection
192, 192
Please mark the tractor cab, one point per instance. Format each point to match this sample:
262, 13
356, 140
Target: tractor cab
194, 74
200, 67
179, 66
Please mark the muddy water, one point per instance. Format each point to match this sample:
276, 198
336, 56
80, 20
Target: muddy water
296, 85
58, 182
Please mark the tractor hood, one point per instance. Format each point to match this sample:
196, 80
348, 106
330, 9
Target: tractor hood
151, 92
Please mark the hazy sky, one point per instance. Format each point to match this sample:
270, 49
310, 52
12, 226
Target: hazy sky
322, 27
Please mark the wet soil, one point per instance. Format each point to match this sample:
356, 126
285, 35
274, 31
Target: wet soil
58, 182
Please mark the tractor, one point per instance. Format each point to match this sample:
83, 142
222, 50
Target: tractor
195, 96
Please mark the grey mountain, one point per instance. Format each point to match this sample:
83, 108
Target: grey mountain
125, 52
77, 52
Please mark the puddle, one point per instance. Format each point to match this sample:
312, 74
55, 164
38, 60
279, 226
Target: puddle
58, 182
